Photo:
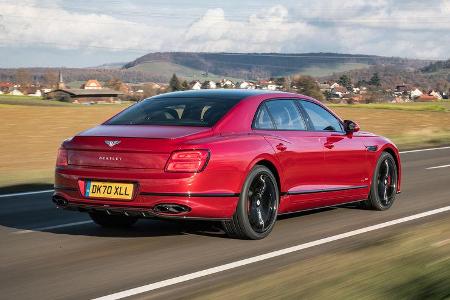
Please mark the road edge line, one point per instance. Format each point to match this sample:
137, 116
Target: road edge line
269, 255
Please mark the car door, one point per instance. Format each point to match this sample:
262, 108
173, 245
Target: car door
298, 150
346, 172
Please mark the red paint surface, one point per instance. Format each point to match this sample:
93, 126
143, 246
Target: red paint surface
306, 161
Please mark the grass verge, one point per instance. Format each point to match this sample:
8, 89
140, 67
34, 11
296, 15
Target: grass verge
410, 264
415, 106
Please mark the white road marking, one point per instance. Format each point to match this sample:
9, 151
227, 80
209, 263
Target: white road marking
251, 260
421, 150
438, 167
25, 193
51, 227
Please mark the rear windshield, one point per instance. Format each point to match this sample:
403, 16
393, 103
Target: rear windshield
175, 111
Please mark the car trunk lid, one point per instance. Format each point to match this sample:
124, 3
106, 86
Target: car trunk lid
128, 146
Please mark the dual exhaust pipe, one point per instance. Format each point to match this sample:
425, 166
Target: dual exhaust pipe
163, 208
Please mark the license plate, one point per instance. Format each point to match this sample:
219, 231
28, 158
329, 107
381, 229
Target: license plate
110, 190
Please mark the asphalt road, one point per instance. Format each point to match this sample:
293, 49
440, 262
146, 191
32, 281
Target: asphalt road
46, 253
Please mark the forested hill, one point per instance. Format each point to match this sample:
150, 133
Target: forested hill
159, 67
265, 65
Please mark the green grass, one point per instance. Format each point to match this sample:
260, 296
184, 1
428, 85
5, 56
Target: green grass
330, 69
413, 263
442, 106
162, 68
29, 101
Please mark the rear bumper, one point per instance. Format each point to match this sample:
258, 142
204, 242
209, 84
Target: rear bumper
198, 207
152, 191
140, 212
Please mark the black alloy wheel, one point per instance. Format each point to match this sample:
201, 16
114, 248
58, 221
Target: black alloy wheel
257, 209
384, 184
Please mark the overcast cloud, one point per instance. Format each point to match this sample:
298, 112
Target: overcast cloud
89, 33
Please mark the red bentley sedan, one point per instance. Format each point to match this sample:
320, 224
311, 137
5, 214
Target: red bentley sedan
241, 157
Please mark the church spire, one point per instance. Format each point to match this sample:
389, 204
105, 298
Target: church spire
61, 84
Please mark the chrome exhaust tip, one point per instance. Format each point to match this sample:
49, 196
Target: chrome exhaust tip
60, 201
171, 209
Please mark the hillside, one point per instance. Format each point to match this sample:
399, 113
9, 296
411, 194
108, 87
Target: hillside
159, 67
392, 75
265, 65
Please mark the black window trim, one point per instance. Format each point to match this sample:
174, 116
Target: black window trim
263, 104
308, 120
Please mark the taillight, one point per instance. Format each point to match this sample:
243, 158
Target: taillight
61, 160
189, 161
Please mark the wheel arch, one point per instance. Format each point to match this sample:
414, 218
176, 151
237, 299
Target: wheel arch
272, 165
395, 154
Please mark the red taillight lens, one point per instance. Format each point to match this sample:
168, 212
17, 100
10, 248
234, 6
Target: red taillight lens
61, 160
189, 161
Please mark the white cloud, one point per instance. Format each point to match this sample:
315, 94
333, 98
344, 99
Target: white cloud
263, 32
29, 22
384, 27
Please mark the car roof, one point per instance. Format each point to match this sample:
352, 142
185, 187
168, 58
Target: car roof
217, 93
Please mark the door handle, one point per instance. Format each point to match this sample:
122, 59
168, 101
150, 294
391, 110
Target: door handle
281, 147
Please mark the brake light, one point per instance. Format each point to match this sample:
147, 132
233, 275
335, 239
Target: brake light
189, 161
61, 160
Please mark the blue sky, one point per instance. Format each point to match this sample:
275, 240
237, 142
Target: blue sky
80, 33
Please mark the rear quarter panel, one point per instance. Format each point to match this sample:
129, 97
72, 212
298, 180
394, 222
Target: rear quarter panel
231, 158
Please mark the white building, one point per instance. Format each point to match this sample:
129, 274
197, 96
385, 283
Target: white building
38, 93
436, 94
208, 84
196, 85
16, 93
416, 93
247, 85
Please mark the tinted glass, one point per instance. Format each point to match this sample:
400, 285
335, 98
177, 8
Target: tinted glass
262, 120
175, 112
320, 118
285, 115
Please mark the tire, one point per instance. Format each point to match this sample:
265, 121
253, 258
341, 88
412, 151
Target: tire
257, 208
384, 184
112, 221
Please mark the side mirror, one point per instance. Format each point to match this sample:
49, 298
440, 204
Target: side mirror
351, 126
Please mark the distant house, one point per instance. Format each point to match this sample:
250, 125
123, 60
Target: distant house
91, 84
334, 85
268, 85
415, 93
16, 92
31, 91
226, 83
324, 87
426, 98
103, 95
435, 94
246, 85
195, 85
6, 86
209, 85
339, 91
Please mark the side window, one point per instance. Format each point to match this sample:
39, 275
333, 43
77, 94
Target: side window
263, 120
285, 115
320, 118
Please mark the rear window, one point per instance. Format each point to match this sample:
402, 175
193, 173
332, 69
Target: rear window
175, 112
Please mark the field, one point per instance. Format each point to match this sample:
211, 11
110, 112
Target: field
411, 264
162, 68
321, 70
31, 134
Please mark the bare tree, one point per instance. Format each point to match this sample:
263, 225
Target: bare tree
23, 77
